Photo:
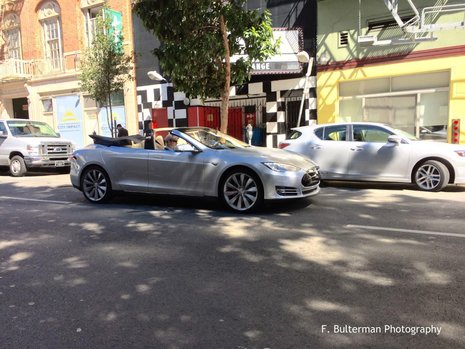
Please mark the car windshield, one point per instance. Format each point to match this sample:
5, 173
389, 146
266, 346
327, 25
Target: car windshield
215, 139
26, 128
406, 135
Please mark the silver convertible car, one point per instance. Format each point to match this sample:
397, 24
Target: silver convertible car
374, 152
203, 163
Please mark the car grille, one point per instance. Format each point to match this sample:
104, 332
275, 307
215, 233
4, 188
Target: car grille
57, 151
311, 178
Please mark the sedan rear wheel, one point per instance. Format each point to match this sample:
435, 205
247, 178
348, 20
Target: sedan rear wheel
431, 175
96, 185
242, 191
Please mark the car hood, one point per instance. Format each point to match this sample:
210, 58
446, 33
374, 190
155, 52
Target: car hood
38, 140
274, 155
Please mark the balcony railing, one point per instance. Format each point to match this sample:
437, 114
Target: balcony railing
16, 69
12, 69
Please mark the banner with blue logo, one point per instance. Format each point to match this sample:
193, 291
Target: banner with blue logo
119, 117
69, 118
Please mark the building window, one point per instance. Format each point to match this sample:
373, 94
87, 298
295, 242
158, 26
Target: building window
13, 45
12, 36
416, 103
49, 16
91, 15
47, 104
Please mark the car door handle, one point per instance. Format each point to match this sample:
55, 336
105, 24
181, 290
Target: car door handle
356, 148
316, 146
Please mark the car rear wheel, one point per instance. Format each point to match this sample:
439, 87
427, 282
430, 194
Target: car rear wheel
96, 185
241, 190
17, 166
431, 175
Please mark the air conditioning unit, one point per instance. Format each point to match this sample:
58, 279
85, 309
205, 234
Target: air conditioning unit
366, 40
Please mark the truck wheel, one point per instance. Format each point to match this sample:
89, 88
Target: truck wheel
17, 166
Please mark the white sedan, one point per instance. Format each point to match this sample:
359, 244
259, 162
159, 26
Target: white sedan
363, 151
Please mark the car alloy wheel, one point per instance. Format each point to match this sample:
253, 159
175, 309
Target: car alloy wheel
96, 185
431, 175
17, 166
242, 191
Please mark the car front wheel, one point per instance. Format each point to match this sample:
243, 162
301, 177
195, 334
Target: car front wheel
96, 185
17, 166
431, 175
241, 190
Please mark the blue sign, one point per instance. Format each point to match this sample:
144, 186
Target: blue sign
119, 117
69, 118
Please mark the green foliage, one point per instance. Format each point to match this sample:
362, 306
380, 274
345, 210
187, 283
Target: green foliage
105, 67
192, 53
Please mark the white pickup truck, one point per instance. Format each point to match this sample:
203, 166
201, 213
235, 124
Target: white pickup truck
27, 144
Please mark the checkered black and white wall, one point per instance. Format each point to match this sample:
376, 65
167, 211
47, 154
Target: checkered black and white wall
163, 95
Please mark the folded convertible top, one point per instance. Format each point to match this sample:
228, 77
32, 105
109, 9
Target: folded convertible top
118, 141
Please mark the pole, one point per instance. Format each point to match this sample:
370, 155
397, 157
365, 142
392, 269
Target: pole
305, 90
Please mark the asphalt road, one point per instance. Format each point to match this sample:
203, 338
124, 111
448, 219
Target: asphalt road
358, 266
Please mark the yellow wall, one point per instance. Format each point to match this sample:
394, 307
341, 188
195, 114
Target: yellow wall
328, 93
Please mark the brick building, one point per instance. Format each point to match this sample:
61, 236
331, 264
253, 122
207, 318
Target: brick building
41, 46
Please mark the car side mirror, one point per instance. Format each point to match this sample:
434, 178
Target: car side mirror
394, 139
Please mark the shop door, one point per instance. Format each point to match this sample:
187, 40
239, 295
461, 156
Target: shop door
159, 117
235, 123
20, 108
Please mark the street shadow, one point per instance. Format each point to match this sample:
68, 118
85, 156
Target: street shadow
156, 272
4, 171
384, 186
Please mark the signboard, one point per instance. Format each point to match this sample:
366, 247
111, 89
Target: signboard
116, 30
119, 117
69, 118
285, 62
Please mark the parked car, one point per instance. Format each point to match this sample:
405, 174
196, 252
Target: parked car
204, 163
375, 152
27, 144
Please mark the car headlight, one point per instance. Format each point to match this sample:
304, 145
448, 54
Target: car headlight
32, 149
278, 167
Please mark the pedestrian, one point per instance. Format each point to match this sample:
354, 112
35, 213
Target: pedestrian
149, 135
122, 132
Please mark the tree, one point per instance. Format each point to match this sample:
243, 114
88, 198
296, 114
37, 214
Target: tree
105, 67
199, 37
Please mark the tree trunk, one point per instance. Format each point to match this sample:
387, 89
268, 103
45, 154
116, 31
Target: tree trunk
227, 78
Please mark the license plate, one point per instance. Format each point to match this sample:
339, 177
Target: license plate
59, 163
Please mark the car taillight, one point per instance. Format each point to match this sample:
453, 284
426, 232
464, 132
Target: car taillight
283, 145
455, 136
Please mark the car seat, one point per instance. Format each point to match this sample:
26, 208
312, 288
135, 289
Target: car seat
159, 142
